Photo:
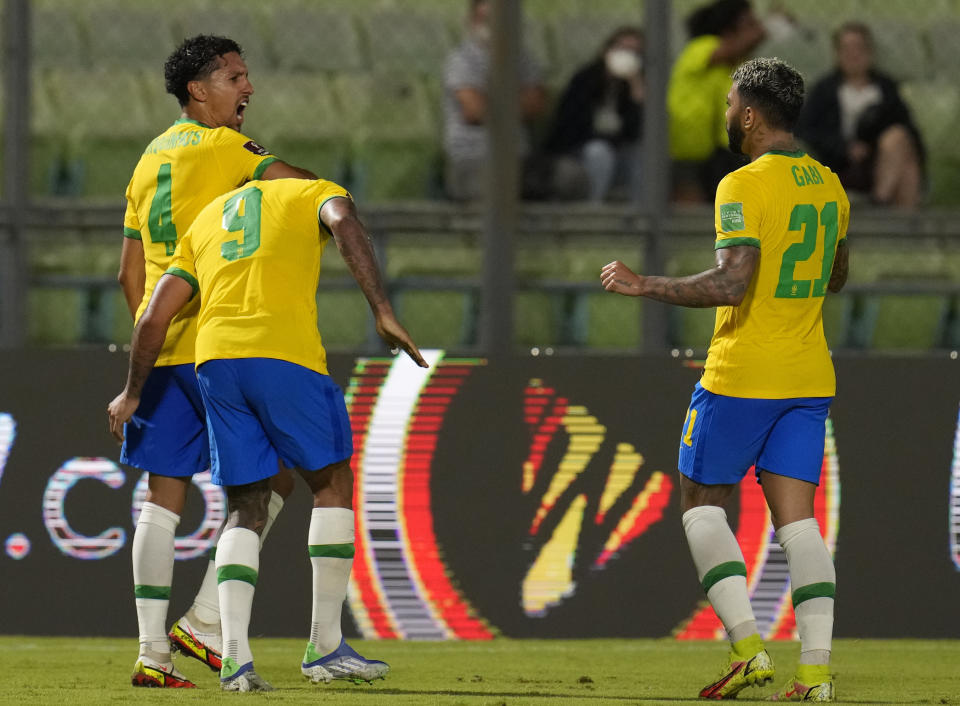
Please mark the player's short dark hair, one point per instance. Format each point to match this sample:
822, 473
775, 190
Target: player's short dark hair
196, 58
716, 18
774, 88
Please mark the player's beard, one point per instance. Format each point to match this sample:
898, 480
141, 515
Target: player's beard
735, 138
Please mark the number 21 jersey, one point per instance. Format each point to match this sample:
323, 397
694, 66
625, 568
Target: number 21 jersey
772, 344
179, 173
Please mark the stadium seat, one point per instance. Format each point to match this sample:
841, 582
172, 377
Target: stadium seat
900, 50
296, 117
535, 319
944, 49
342, 317
246, 22
837, 310
404, 40
56, 316
808, 51
57, 38
50, 174
310, 36
127, 35
935, 107
437, 319
907, 323
613, 322
413, 254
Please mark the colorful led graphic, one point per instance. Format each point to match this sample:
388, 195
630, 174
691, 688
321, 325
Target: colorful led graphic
68, 541
768, 579
400, 587
955, 501
8, 432
549, 580
17, 545
198, 542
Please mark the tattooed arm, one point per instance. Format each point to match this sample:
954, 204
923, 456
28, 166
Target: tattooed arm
340, 216
722, 285
168, 298
841, 267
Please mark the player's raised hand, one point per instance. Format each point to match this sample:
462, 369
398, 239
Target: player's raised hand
617, 277
119, 412
396, 336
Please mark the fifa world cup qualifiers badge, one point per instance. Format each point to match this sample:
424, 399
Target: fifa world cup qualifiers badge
252, 146
731, 217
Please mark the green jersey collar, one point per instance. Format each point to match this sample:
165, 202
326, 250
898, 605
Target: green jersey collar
783, 153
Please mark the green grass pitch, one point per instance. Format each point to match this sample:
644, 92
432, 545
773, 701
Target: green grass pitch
42, 670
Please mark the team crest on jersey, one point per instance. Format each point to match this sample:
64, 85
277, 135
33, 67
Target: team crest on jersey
731, 217
252, 146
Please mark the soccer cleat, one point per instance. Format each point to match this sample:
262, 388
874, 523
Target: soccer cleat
342, 663
738, 675
188, 639
795, 691
151, 674
241, 678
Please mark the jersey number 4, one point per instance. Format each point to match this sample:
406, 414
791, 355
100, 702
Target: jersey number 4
805, 217
162, 228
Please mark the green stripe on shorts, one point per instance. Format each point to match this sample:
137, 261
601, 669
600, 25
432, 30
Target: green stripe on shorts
723, 571
813, 590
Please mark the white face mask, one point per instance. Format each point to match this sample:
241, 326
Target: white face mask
623, 63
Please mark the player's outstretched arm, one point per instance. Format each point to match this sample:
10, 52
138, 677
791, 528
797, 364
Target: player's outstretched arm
133, 273
724, 284
340, 216
282, 170
841, 267
168, 298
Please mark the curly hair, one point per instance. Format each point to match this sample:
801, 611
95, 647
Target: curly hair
196, 58
774, 88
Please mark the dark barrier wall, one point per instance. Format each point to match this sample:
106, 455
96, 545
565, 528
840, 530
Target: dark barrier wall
537, 497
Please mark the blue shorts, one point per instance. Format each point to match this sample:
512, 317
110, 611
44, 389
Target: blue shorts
168, 433
723, 436
261, 410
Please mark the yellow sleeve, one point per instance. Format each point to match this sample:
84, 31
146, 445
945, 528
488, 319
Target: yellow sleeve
326, 190
131, 222
240, 158
737, 212
183, 264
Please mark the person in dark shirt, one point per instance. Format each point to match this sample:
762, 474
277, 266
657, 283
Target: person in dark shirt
595, 136
856, 123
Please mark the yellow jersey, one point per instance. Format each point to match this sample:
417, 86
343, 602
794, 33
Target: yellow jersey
254, 256
177, 175
772, 345
697, 101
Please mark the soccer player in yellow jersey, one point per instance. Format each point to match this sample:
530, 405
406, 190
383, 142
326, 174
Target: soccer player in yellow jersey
202, 155
781, 224
253, 256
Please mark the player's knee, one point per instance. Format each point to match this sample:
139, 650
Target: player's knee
248, 504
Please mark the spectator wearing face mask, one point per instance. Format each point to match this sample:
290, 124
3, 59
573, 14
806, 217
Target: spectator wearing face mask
465, 137
595, 136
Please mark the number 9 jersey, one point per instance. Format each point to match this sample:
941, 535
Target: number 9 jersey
772, 345
179, 173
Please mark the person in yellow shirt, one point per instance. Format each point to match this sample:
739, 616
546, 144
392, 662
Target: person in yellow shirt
781, 224
722, 34
202, 155
253, 256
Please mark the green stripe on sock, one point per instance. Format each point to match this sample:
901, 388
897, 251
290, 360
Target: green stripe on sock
723, 571
159, 592
332, 551
813, 590
236, 572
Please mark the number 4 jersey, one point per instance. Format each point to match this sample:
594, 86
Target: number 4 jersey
179, 173
254, 255
772, 345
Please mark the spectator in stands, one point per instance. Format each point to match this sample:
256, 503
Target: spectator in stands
856, 123
722, 35
465, 105
596, 131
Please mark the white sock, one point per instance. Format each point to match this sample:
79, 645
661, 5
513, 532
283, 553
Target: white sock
238, 561
331, 538
153, 574
206, 605
721, 569
813, 580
